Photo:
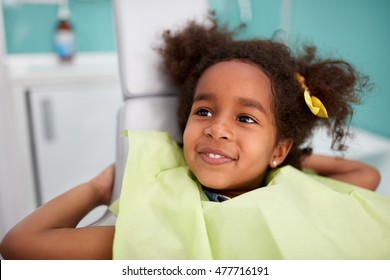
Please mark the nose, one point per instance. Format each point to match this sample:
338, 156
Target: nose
219, 130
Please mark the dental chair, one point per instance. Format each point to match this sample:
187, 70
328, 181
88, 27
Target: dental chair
150, 101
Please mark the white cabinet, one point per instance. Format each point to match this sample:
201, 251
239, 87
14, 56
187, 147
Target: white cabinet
72, 134
65, 119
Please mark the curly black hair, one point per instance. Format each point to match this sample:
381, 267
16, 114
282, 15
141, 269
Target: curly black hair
188, 52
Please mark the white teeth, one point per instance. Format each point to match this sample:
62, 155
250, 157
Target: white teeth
214, 155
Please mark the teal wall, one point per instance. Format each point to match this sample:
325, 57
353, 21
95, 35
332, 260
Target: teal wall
30, 28
358, 31
265, 16
352, 29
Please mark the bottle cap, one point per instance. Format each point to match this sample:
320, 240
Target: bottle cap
63, 11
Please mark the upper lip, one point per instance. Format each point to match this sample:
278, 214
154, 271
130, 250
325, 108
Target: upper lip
217, 151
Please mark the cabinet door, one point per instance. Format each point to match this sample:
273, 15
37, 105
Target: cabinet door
73, 131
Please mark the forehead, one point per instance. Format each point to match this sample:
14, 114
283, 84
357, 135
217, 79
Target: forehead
235, 78
234, 71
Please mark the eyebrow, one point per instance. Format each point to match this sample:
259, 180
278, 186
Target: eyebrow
203, 96
246, 102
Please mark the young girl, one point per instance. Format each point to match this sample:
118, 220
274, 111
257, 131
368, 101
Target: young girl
246, 107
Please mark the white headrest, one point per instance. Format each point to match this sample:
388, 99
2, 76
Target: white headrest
139, 26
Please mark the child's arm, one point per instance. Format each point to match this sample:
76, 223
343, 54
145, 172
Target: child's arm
50, 233
348, 171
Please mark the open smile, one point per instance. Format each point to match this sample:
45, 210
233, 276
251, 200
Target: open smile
215, 157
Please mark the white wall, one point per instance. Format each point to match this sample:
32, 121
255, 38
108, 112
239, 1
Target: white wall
15, 199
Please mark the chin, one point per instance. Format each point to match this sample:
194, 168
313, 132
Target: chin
215, 184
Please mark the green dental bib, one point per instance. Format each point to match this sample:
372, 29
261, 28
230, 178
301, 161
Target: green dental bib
164, 214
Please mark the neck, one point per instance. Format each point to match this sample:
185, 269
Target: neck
228, 193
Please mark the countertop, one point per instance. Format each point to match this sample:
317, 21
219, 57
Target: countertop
46, 68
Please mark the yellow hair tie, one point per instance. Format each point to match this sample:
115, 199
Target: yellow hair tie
315, 105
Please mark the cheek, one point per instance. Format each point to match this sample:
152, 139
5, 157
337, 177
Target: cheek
260, 149
191, 131
187, 136
188, 140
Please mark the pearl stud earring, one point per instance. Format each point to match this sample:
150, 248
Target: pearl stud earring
274, 163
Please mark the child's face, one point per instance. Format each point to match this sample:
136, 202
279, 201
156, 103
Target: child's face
230, 137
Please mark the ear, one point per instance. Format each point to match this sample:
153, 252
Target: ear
281, 151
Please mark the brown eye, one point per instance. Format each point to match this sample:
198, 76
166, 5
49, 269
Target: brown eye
204, 113
245, 119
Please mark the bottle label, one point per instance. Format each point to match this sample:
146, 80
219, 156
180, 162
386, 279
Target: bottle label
64, 43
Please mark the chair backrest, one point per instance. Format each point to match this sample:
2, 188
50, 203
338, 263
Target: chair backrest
150, 101
139, 26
